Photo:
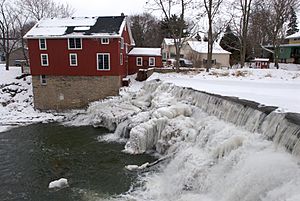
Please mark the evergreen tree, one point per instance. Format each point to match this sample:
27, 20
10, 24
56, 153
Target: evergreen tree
292, 26
174, 27
230, 42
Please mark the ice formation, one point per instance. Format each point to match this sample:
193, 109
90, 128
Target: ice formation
221, 148
60, 183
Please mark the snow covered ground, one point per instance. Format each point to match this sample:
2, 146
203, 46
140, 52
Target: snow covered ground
270, 87
16, 101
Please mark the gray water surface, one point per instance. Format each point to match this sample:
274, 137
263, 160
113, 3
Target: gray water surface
32, 156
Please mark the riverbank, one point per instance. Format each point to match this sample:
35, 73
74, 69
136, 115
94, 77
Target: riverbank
16, 101
270, 87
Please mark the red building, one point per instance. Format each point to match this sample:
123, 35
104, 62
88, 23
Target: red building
144, 58
261, 63
74, 61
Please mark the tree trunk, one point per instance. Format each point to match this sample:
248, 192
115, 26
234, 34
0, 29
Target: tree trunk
177, 57
276, 57
7, 61
210, 47
243, 54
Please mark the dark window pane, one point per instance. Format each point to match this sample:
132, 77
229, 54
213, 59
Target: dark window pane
78, 43
100, 61
106, 62
71, 43
43, 43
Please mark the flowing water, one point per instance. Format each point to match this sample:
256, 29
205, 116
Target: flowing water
32, 156
215, 148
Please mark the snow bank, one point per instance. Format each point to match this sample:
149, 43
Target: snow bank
16, 101
60, 183
270, 87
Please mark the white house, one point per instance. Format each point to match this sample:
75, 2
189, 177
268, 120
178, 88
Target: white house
196, 51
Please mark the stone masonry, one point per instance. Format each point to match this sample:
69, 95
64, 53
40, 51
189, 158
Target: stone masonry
71, 92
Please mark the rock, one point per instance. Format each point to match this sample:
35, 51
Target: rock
61, 183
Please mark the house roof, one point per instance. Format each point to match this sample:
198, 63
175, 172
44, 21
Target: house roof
295, 35
261, 59
145, 51
202, 47
83, 27
170, 41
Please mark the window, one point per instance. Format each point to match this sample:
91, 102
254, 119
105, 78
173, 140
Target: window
164, 55
75, 43
43, 45
103, 61
139, 61
43, 80
104, 40
151, 61
212, 61
126, 48
73, 59
44, 60
121, 59
122, 43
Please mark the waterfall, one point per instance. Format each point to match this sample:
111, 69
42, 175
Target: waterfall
221, 148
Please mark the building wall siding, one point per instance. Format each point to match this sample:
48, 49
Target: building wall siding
70, 92
58, 55
133, 68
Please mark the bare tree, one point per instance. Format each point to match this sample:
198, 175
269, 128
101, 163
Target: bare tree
8, 29
279, 11
243, 7
175, 21
146, 30
39, 9
212, 8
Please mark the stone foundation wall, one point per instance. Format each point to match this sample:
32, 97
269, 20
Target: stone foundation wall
71, 92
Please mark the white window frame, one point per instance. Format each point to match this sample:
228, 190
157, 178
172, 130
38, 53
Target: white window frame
105, 41
40, 44
70, 59
103, 54
139, 59
122, 43
43, 79
42, 64
76, 48
152, 58
121, 59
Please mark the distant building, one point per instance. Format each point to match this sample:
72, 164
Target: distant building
196, 51
290, 53
17, 57
144, 58
261, 63
77, 60
289, 50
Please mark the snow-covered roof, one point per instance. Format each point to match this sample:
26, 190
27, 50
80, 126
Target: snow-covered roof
295, 35
83, 27
170, 41
261, 59
202, 47
145, 51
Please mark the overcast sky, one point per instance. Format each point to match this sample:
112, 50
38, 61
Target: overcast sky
106, 7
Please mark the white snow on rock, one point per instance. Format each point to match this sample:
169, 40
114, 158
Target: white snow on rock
16, 101
60, 183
